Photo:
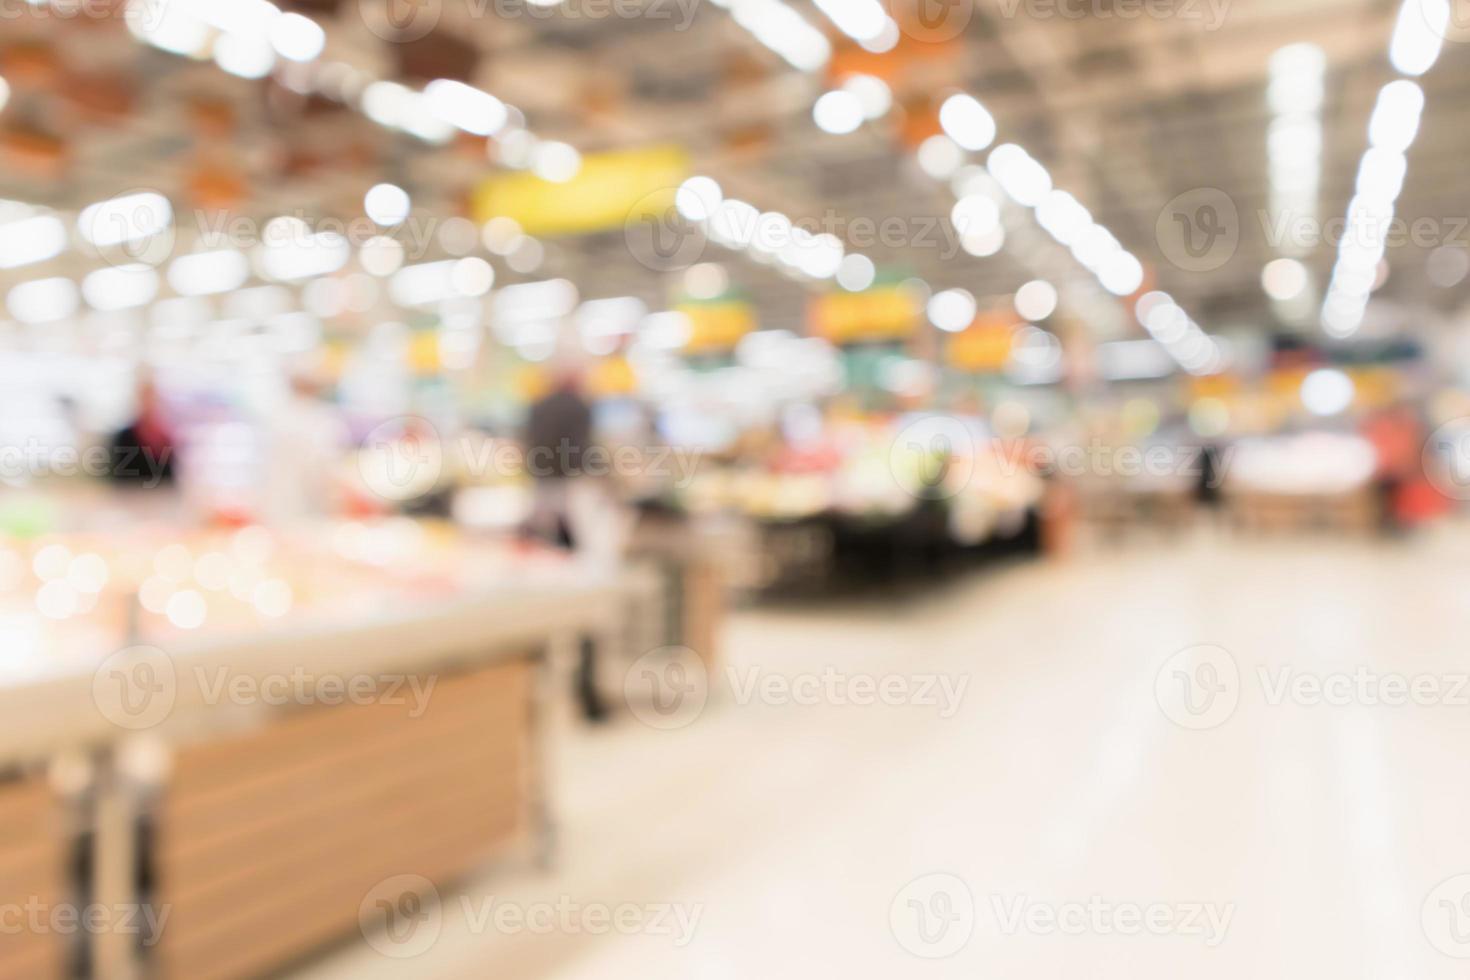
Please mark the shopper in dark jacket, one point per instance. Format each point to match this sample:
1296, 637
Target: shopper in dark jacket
558, 432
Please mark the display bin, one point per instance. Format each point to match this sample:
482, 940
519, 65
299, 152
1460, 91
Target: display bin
36, 878
265, 844
690, 560
1354, 511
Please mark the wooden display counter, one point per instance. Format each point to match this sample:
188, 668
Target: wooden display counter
691, 561
266, 844
1260, 511
260, 827
33, 880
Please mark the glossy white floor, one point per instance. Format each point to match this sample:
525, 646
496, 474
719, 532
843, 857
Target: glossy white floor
1093, 808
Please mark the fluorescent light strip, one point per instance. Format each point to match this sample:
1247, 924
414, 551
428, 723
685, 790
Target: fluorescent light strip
1294, 152
1417, 38
1026, 181
783, 30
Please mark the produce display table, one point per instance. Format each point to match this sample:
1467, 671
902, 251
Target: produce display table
33, 879
261, 827
691, 561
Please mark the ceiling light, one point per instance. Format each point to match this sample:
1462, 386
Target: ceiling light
698, 198
207, 273
289, 257
975, 214
982, 245
244, 55
734, 223
860, 20
1284, 279
130, 218
120, 288
952, 310
838, 112
31, 240
1121, 273
387, 205
500, 234
1327, 391
423, 284
939, 156
1419, 35
784, 31
1093, 246
555, 162
297, 38
707, 280
872, 93
1381, 175
1036, 300
42, 300
380, 256
1167, 322
1395, 120
1063, 217
1022, 177
466, 107
967, 122
472, 276
668, 330
856, 273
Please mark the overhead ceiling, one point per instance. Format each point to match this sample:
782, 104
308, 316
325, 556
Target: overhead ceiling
1127, 110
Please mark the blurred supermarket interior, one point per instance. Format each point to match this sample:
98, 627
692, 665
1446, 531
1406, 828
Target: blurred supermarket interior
557, 489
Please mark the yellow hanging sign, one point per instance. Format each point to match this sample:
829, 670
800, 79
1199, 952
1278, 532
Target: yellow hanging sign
609, 190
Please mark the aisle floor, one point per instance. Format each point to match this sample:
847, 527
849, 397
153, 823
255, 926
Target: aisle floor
1092, 808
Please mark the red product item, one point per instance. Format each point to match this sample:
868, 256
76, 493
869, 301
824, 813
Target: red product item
824, 459
1418, 501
